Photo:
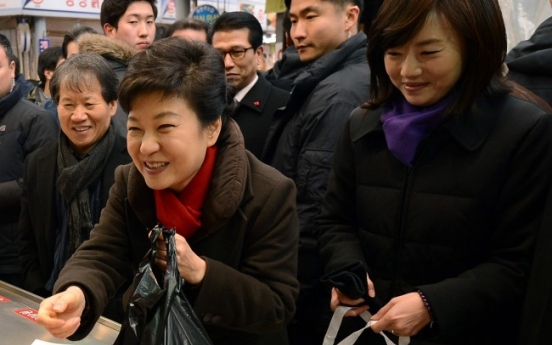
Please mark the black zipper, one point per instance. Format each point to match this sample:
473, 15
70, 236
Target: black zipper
400, 239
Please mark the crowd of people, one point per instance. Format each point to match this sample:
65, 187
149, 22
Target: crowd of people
419, 151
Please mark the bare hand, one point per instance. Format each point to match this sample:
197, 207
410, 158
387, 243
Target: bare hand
405, 315
339, 299
191, 267
61, 313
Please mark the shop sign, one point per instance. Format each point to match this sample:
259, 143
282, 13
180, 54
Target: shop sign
43, 44
80, 6
10, 5
206, 13
169, 9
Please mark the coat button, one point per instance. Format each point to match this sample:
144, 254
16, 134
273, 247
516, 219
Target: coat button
207, 317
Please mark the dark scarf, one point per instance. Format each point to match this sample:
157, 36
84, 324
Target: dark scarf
74, 178
406, 125
183, 211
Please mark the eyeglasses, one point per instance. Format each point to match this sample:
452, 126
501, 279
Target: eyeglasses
235, 54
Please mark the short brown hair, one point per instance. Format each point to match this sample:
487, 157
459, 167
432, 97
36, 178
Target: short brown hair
177, 67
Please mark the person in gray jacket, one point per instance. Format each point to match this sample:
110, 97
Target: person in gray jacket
336, 81
24, 127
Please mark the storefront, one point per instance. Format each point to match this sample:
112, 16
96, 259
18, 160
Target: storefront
33, 25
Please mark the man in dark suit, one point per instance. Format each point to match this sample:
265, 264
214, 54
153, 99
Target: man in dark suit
238, 36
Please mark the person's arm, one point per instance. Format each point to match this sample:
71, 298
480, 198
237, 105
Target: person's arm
319, 136
28, 247
101, 264
37, 131
260, 296
336, 225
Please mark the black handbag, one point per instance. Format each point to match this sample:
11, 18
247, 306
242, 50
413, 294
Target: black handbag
159, 313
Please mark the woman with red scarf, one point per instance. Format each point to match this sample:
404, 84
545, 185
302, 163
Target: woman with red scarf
235, 217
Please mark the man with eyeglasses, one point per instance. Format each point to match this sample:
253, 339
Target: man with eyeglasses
238, 37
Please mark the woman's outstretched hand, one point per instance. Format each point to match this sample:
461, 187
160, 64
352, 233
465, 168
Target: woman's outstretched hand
61, 313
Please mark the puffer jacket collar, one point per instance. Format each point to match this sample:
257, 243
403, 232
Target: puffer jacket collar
352, 51
109, 48
229, 185
470, 130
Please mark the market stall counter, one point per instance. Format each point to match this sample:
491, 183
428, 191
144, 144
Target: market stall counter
18, 311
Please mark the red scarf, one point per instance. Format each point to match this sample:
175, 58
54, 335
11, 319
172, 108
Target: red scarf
183, 211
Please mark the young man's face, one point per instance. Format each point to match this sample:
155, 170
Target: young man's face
318, 27
136, 26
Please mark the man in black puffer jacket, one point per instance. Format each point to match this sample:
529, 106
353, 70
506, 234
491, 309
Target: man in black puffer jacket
322, 97
24, 127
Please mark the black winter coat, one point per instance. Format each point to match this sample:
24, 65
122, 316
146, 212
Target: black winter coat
38, 222
24, 127
459, 225
322, 98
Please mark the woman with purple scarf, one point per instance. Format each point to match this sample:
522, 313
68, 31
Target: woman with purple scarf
439, 181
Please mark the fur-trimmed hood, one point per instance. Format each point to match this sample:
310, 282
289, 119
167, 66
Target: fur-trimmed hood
110, 49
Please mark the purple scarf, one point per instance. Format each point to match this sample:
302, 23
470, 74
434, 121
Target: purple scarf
406, 125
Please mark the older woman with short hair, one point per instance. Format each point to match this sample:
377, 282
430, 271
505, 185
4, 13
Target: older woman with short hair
235, 219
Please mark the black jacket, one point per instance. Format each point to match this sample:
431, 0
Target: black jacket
255, 114
24, 127
536, 316
529, 62
285, 70
322, 98
38, 223
459, 225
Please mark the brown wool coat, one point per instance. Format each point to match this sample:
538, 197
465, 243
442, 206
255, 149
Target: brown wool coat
248, 238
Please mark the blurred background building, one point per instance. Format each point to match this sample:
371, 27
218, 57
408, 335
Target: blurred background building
34, 25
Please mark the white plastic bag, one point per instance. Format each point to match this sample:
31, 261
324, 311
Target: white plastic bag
335, 323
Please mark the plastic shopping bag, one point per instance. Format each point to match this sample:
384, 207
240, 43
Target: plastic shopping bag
351, 281
331, 333
159, 312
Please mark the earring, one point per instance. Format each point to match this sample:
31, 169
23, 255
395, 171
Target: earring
349, 34
13, 85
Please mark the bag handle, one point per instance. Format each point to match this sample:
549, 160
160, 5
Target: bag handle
172, 264
335, 323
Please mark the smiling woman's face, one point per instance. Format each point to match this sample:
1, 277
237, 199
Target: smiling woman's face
426, 68
166, 140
